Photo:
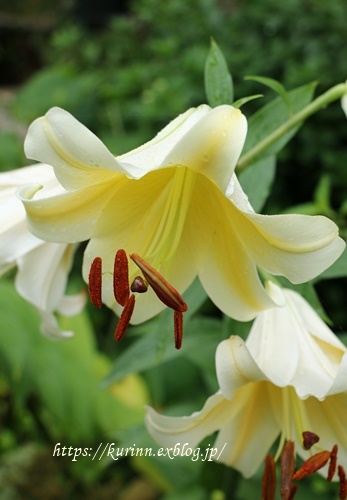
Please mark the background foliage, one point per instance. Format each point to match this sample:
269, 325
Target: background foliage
125, 75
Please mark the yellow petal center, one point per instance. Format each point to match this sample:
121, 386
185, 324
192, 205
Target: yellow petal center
167, 235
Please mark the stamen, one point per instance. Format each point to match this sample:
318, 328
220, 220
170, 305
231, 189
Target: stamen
178, 328
309, 439
95, 282
162, 288
125, 318
343, 483
287, 470
138, 285
312, 464
293, 489
121, 278
332, 464
269, 479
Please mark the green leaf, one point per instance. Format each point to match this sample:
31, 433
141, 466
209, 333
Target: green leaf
276, 86
18, 324
244, 100
322, 194
156, 343
157, 346
11, 151
257, 181
169, 475
273, 115
218, 81
56, 86
64, 375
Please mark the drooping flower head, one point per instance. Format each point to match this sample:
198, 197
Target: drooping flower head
43, 267
177, 203
289, 377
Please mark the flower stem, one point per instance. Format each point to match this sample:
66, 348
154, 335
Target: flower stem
329, 96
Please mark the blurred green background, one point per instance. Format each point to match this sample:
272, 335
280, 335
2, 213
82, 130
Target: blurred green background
125, 69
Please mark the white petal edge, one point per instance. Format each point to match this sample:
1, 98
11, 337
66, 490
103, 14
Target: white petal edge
150, 155
213, 145
77, 155
235, 366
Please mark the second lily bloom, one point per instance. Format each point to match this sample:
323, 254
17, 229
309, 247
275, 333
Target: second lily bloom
289, 377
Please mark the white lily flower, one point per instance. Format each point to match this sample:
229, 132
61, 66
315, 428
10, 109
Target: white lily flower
177, 203
42, 267
290, 376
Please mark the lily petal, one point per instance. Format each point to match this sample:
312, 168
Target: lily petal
41, 280
213, 146
298, 247
328, 419
79, 158
16, 240
172, 430
42, 274
235, 366
229, 275
151, 155
247, 437
42, 267
340, 382
247, 427
293, 346
66, 218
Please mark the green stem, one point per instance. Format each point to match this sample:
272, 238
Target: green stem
331, 95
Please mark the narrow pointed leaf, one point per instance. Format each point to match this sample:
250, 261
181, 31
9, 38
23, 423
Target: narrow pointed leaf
276, 86
218, 81
244, 100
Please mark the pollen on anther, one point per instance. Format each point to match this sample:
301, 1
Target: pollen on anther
287, 469
269, 479
95, 282
125, 318
121, 278
178, 328
343, 483
332, 463
312, 464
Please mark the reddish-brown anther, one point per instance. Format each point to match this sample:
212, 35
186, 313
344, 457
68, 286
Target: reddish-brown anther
178, 328
125, 318
343, 483
121, 278
268, 489
332, 463
138, 285
293, 489
312, 464
95, 282
287, 470
309, 439
162, 288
